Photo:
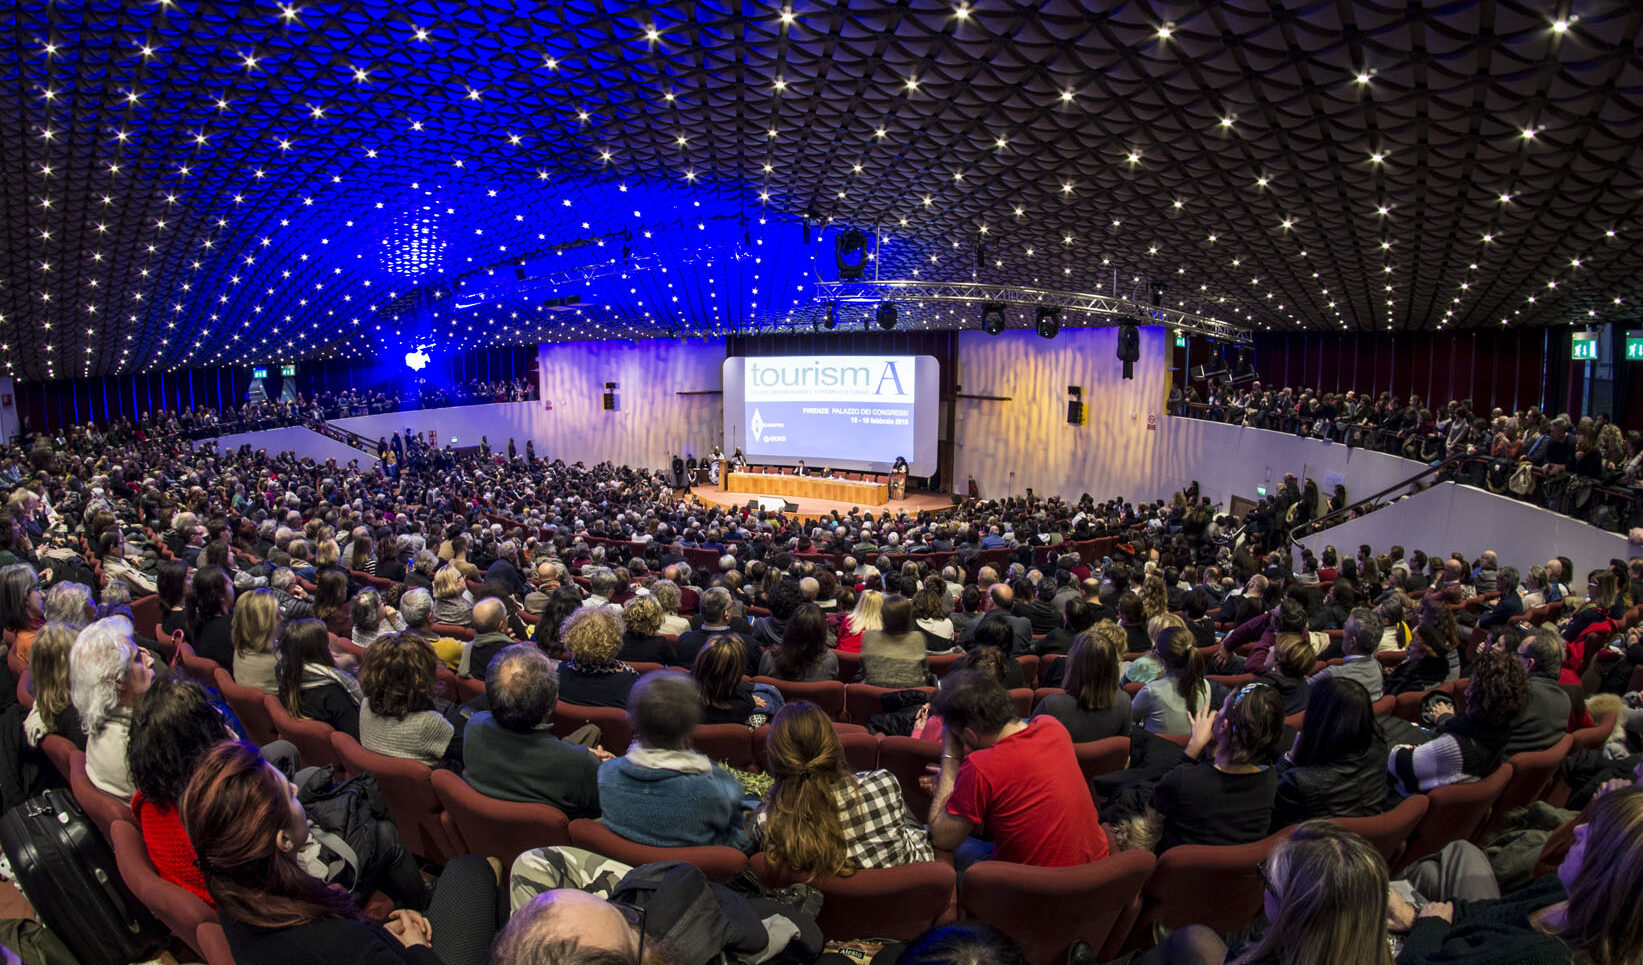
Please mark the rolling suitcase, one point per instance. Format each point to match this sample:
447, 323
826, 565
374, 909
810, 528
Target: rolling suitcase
67, 872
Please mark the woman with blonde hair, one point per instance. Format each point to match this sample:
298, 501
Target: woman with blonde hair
818, 818
256, 623
1154, 596
867, 616
453, 604
1326, 897
53, 711
640, 641
593, 676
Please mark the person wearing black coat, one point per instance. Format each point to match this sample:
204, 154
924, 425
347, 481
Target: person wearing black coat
1337, 765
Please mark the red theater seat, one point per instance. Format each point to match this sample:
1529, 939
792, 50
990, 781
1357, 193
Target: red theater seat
496, 829
1035, 906
898, 903
719, 864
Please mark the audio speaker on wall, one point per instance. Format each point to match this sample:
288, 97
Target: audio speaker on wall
610, 401
1075, 413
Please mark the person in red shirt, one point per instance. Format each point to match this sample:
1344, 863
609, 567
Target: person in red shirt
1018, 780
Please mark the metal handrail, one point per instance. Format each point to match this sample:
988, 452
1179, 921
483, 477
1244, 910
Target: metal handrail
1345, 512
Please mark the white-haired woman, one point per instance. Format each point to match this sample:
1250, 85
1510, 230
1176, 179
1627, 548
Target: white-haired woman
107, 675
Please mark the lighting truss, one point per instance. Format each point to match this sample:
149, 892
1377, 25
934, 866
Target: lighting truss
1098, 311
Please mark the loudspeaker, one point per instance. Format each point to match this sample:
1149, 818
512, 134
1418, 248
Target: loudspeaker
788, 507
1129, 348
1075, 413
1076, 391
609, 401
610, 385
887, 315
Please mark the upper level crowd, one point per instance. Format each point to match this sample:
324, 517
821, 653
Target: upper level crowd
585, 637
1566, 457
198, 422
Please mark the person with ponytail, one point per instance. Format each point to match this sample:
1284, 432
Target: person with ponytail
1165, 705
251, 837
818, 818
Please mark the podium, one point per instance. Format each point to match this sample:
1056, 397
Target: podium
898, 484
724, 475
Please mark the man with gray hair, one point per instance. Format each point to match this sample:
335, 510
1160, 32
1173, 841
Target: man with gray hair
1360, 638
715, 621
510, 754
1546, 719
602, 586
289, 595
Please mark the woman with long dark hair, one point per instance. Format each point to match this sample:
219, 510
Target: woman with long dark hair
251, 835
210, 615
1093, 705
802, 654
310, 685
1337, 766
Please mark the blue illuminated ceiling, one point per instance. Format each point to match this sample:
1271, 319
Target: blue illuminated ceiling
189, 182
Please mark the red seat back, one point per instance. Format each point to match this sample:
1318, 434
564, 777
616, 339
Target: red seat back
1178, 892
1389, 832
729, 744
900, 902
1456, 812
408, 787
1016, 899
1103, 757
863, 701
615, 731
454, 632
179, 909
25, 689
248, 706
497, 829
1532, 774
718, 863
826, 694
311, 737
200, 668
60, 751
908, 759
849, 665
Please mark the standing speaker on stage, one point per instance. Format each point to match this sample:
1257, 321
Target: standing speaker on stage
678, 471
898, 478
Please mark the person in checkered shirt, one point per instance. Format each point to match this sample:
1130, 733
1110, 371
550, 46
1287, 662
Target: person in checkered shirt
819, 817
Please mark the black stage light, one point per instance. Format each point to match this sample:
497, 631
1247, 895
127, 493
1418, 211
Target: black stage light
832, 318
850, 253
992, 317
1049, 321
887, 315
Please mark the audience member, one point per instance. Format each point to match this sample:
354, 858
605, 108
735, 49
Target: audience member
508, 751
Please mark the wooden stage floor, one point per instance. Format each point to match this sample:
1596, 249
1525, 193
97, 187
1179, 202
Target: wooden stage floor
810, 509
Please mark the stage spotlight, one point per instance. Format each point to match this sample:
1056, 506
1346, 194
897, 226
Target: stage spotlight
832, 318
1157, 294
1129, 347
850, 254
887, 315
1243, 371
992, 317
1049, 321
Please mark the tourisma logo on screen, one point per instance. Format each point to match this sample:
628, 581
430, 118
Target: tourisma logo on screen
859, 387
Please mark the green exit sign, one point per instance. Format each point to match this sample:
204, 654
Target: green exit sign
288, 370
1180, 341
1634, 346
1583, 347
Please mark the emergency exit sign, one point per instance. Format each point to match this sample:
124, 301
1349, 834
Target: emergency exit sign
1583, 347
1634, 346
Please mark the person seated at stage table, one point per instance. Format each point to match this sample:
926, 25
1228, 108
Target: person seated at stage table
827, 472
799, 469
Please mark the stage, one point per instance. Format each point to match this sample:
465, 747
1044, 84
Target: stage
810, 509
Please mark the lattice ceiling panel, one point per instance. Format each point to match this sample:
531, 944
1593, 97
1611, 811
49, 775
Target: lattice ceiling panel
191, 182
